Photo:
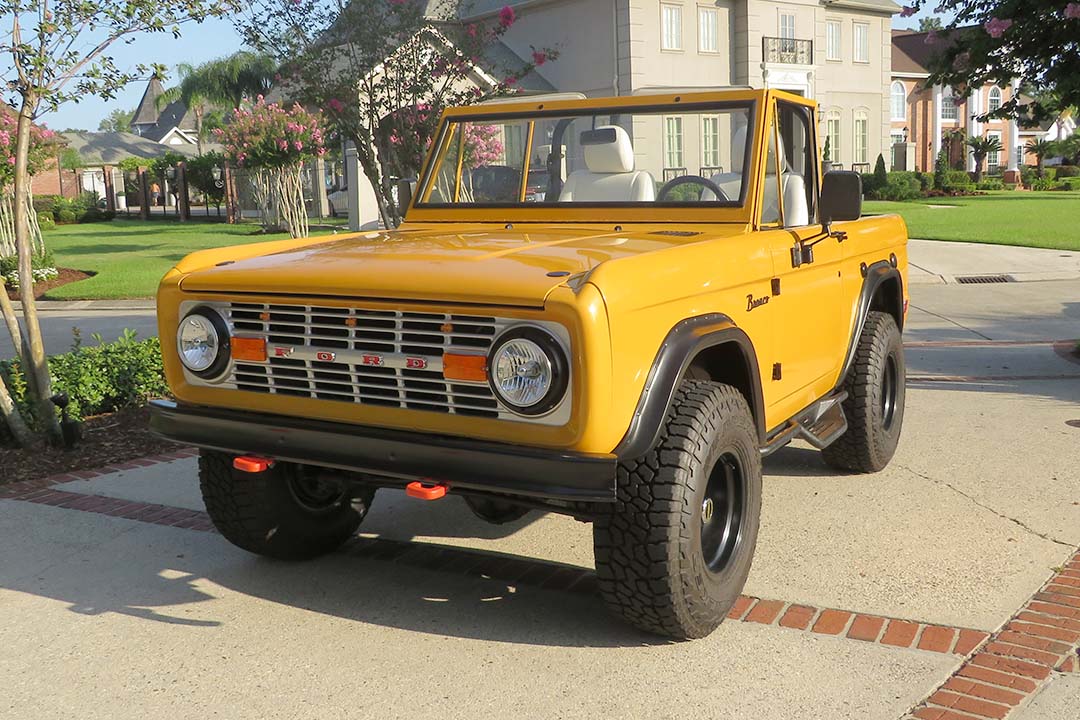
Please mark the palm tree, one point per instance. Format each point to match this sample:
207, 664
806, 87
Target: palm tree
980, 148
1041, 149
225, 82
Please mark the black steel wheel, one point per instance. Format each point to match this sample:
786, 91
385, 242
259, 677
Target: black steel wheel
673, 554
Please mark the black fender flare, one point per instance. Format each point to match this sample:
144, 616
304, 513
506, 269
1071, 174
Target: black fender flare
681, 345
874, 276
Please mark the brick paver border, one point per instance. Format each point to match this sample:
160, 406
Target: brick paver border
1017, 661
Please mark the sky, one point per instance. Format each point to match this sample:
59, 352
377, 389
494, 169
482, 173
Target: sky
198, 43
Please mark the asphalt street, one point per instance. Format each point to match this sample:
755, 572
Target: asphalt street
58, 327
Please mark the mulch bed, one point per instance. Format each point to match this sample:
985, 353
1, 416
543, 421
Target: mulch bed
66, 277
107, 439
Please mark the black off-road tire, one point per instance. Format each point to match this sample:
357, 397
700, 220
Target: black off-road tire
651, 561
262, 512
875, 403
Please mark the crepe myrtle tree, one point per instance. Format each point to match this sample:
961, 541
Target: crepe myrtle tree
273, 143
385, 69
59, 52
997, 41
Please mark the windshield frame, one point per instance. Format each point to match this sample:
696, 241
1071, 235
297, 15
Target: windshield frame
651, 212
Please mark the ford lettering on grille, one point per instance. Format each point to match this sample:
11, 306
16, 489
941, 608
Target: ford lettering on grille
374, 357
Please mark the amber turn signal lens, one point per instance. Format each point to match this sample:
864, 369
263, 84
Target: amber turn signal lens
465, 367
250, 349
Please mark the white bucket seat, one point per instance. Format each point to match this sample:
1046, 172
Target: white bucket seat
609, 175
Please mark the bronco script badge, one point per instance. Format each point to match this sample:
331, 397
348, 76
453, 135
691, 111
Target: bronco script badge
752, 302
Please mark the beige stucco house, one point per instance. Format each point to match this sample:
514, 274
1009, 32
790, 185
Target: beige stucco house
836, 51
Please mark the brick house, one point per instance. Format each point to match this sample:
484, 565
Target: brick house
923, 116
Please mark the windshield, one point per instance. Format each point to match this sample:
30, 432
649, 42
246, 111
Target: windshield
688, 155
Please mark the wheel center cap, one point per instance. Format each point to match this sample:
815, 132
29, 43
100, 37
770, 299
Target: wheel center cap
706, 510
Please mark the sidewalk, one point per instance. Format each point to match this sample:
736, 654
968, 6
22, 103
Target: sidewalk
934, 262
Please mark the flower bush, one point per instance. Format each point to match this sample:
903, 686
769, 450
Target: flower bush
274, 142
44, 145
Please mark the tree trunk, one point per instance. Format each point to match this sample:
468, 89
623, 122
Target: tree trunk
14, 420
37, 364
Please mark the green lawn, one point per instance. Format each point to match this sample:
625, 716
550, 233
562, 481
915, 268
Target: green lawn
131, 256
1031, 219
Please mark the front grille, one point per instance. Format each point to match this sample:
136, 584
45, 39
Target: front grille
372, 357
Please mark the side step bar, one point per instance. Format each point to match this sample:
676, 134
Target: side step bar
820, 425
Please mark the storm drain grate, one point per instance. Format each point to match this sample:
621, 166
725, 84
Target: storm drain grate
983, 279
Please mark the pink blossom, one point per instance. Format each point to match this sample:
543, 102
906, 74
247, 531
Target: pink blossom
283, 144
510, 80
539, 57
11, 160
298, 145
470, 30
335, 105
1072, 11
996, 27
507, 16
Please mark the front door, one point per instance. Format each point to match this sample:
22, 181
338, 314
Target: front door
808, 313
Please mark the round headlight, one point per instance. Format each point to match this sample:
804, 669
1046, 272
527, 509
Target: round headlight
528, 371
202, 341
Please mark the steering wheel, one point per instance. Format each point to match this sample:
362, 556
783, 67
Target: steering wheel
670, 185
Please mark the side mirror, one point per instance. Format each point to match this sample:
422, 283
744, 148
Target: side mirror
841, 197
405, 188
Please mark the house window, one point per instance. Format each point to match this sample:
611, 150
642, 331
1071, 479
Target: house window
832, 132
673, 142
833, 38
862, 42
995, 99
899, 101
708, 30
787, 25
710, 142
862, 137
948, 104
671, 27
993, 158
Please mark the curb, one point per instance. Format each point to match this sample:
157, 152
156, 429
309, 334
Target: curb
68, 305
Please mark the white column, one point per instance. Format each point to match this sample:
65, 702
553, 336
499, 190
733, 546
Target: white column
1014, 133
974, 108
352, 179
937, 124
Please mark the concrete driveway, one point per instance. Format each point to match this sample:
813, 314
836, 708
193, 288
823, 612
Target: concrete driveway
949, 583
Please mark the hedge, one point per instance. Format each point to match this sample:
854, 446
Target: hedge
97, 378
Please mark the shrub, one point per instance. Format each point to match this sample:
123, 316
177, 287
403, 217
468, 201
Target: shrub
990, 184
941, 169
65, 217
44, 203
1050, 173
46, 221
98, 378
881, 173
900, 185
1070, 183
1043, 184
926, 181
958, 181
1068, 171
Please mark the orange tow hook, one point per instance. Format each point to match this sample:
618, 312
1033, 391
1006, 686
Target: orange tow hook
252, 464
426, 490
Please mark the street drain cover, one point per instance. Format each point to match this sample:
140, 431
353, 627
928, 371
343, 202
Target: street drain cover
983, 279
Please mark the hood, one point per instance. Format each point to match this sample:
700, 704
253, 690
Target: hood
497, 267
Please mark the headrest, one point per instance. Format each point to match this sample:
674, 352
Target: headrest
608, 150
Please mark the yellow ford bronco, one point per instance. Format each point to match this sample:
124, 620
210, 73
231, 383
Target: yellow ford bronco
575, 317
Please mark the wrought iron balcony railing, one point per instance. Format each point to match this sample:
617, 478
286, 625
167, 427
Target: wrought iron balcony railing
787, 51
